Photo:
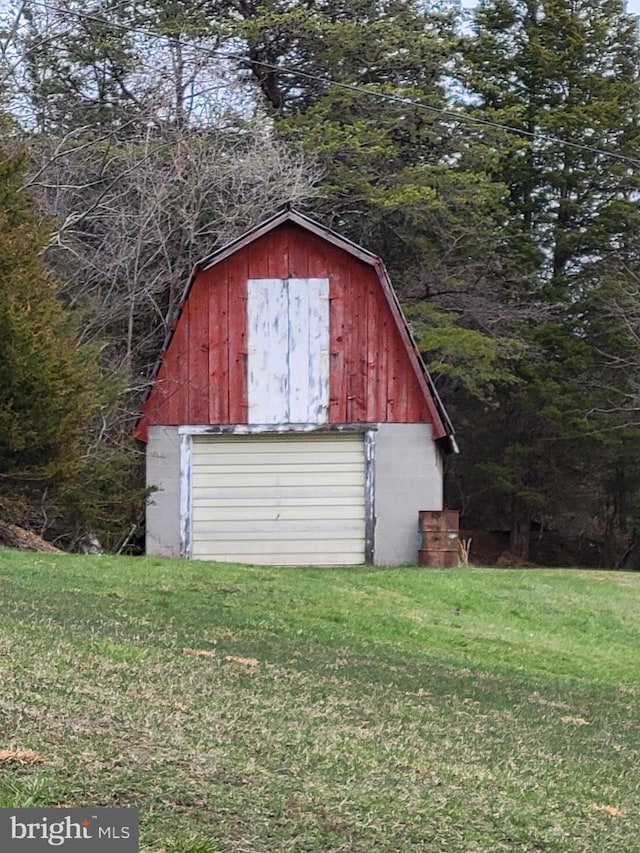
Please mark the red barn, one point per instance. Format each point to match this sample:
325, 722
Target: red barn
291, 419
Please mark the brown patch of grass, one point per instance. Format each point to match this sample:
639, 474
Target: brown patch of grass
221, 634
19, 756
242, 661
612, 811
540, 700
574, 721
199, 653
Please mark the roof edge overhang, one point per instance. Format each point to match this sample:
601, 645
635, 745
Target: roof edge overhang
288, 214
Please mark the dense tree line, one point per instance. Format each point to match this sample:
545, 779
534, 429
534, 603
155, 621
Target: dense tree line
493, 166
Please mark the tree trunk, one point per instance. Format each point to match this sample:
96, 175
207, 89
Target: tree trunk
16, 537
520, 536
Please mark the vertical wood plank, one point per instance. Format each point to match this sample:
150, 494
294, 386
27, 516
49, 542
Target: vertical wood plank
338, 366
257, 256
218, 294
417, 409
413, 404
154, 410
198, 355
319, 351
375, 344
393, 402
237, 350
358, 336
278, 257
298, 353
384, 362
176, 382
402, 376
298, 241
351, 348
318, 254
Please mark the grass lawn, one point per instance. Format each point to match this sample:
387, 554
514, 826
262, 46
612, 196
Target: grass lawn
264, 709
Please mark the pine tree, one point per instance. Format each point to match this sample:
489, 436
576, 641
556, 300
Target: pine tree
564, 74
45, 397
363, 90
77, 66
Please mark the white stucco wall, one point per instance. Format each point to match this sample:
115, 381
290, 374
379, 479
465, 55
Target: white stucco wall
163, 504
408, 478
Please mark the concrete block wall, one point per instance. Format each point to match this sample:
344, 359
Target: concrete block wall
408, 478
163, 504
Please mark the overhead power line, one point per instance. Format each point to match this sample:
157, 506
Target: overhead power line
351, 87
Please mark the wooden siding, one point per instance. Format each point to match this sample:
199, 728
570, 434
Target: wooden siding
202, 377
373, 375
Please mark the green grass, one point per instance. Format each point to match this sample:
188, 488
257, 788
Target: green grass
263, 709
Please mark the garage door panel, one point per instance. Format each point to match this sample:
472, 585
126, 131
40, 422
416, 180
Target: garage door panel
279, 499
347, 558
300, 462
284, 480
270, 497
278, 529
283, 514
275, 548
319, 504
261, 446
275, 468
262, 535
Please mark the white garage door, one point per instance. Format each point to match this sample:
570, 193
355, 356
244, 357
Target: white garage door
286, 500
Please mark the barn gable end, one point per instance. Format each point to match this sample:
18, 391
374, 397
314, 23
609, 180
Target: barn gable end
291, 329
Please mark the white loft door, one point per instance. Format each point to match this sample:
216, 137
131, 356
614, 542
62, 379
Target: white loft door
288, 350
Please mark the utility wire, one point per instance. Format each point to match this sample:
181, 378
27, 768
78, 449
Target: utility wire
351, 87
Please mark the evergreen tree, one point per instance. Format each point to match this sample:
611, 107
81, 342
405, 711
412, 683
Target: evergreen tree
45, 397
77, 62
362, 89
565, 74
119, 68
567, 70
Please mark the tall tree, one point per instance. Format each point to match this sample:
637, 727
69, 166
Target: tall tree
110, 66
564, 73
73, 66
363, 88
131, 220
45, 390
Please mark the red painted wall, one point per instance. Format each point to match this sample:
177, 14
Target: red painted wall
202, 377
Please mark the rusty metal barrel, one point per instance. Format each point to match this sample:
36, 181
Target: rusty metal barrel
440, 536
